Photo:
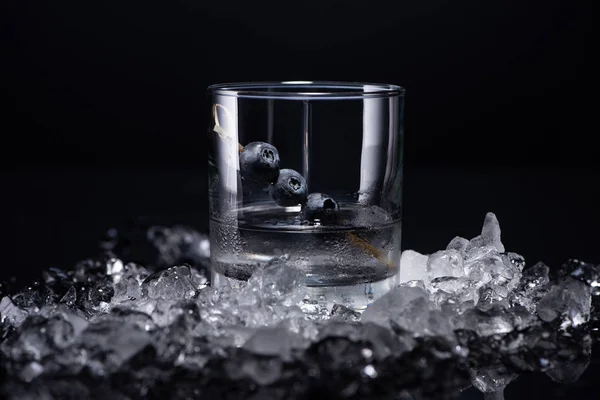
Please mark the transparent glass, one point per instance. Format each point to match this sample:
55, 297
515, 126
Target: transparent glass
308, 174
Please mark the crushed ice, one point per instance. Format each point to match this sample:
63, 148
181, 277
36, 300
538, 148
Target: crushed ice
471, 314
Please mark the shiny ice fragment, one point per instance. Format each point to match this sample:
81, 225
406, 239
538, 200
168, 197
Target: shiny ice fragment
569, 300
413, 266
445, 263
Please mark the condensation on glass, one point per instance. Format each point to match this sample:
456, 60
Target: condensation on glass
345, 140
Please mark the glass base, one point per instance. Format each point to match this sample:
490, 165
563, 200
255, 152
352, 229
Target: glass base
321, 299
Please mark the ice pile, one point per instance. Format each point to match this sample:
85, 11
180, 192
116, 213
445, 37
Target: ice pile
471, 314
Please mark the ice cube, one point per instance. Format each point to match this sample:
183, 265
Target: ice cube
75, 317
111, 341
175, 283
263, 371
493, 320
34, 296
570, 300
70, 297
114, 267
380, 342
515, 259
101, 292
493, 271
278, 282
391, 304
274, 341
478, 271
409, 309
128, 289
585, 272
445, 263
535, 276
491, 231
455, 290
38, 338
569, 371
505, 273
532, 286
413, 266
487, 243
31, 371
492, 379
341, 312
10, 313
458, 244
416, 284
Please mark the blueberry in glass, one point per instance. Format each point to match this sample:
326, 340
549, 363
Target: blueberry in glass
289, 189
259, 163
320, 206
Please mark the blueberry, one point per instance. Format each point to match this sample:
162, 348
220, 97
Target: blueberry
320, 206
259, 162
290, 188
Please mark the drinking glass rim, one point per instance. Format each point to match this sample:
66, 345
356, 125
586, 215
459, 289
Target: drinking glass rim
300, 90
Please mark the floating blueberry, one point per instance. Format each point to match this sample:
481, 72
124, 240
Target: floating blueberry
290, 188
259, 162
320, 206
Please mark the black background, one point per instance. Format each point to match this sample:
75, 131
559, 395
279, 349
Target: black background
103, 115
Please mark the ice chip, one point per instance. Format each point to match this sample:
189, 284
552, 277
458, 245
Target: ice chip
445, 263
493, 320
491, 231
569, 371
409, 309
413, 266
70, 297
128, 289
277, 282
175, 283
341, 312
114, 266
381, 341
416, 284
10, 313
532, 286
451, 289
514, 259
129, 333
76, 318
458, 244
570, 300
535, 276
274, 341
488, 243
492, 379
392, 304
479, 272
34, 296
31, 371
582, 271
263, 371
101, 292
